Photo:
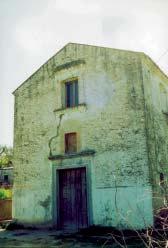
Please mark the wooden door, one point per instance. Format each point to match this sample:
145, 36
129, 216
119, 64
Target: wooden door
72, 199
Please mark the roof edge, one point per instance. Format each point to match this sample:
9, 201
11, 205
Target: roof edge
118, 49
155, 64
80, 44
40, 68
73, 43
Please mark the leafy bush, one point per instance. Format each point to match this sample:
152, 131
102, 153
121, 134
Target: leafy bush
6, 155
5, 194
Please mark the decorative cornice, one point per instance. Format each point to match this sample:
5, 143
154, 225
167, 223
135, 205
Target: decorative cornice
69, 64
72, 155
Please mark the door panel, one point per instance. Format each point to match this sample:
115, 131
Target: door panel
73, 199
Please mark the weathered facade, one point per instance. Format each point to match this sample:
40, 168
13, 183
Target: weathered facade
116, 116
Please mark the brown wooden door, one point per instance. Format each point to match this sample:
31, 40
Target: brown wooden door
72, 199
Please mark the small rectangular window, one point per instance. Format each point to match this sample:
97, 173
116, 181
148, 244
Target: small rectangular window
6, 178
71, 93
70, 143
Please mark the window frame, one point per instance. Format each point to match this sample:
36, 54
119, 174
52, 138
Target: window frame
65, 143
73, 84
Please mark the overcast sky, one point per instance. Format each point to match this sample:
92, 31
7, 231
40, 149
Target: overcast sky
33, 30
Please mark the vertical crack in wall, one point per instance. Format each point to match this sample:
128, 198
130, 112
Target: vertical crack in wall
57, 134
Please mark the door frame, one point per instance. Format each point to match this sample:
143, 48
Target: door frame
55, 192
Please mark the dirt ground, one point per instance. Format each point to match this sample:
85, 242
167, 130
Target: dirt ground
46, 238
27, 238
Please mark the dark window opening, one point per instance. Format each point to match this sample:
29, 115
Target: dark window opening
161, 179
71, 93
6, 178
70, 143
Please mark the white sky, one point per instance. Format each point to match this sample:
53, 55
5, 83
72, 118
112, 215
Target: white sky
34, 30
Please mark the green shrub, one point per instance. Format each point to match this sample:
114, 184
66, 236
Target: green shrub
5, 194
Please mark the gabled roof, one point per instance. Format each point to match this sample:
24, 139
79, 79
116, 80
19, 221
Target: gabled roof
87, 45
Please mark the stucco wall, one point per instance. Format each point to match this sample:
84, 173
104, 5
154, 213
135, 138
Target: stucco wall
156, 112
109, 120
